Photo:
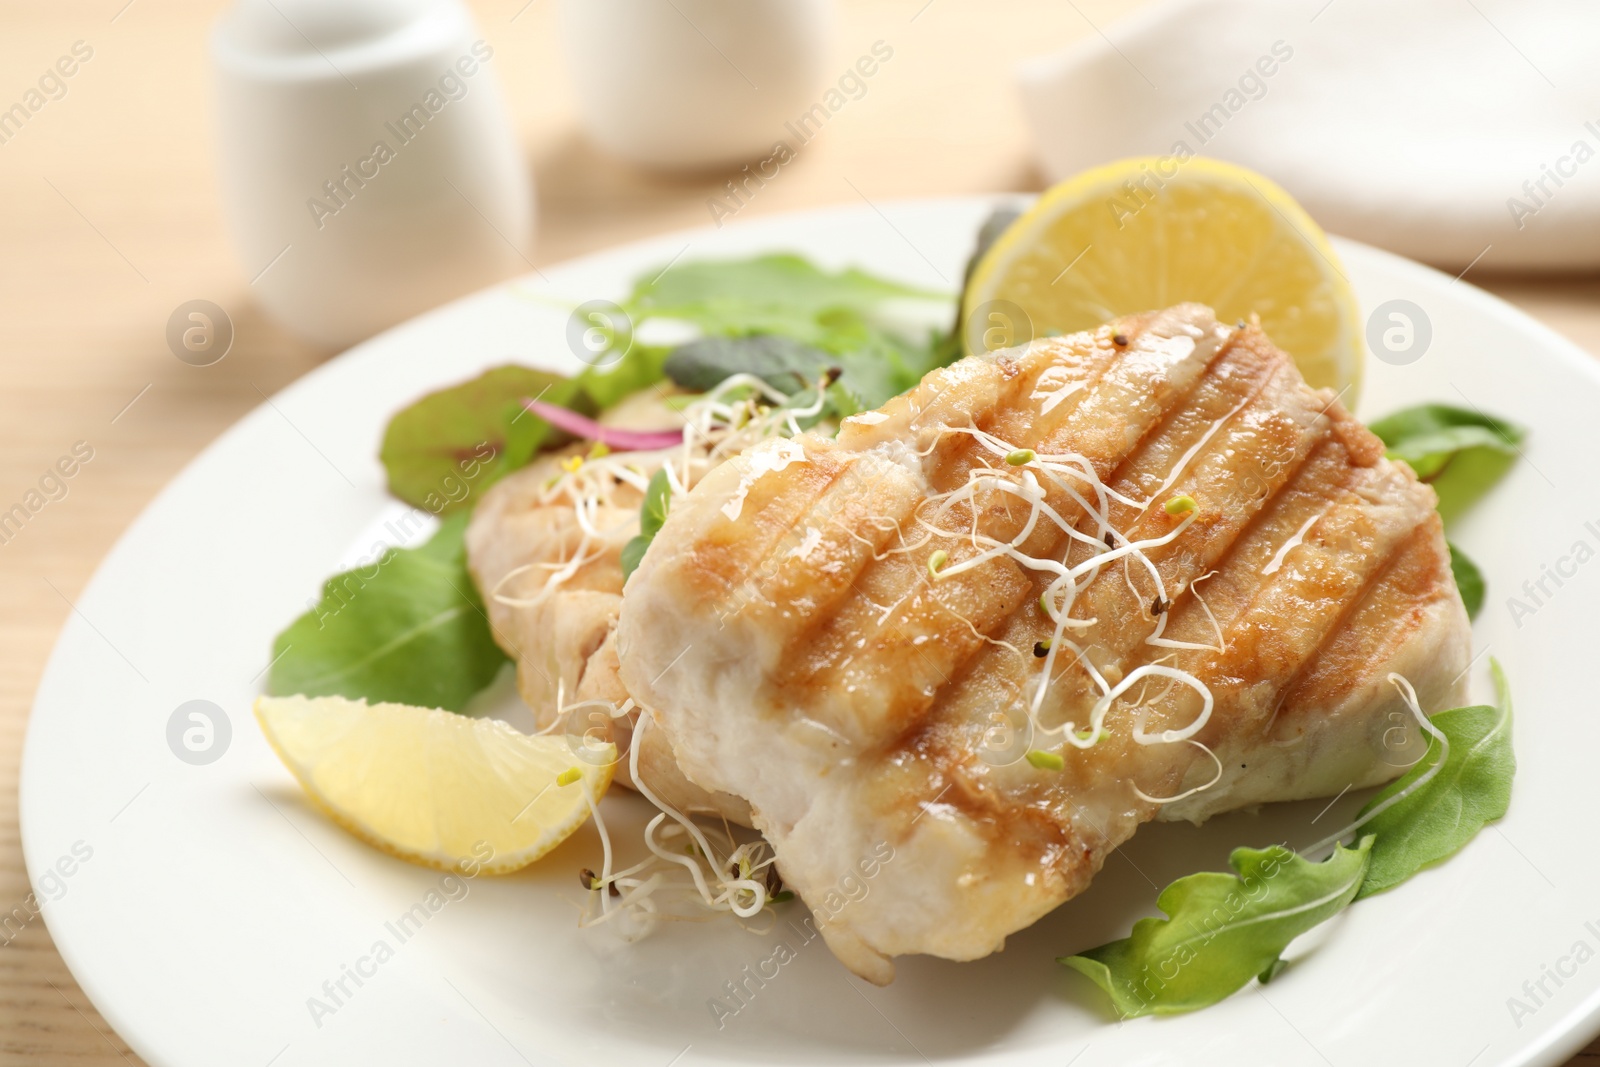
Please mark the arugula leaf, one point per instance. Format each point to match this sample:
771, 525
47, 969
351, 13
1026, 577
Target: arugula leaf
1274, 969
445, 449
1460, 453
1469, 580
1222, 930
1471, 790
652, 515
408, 628
1426, 435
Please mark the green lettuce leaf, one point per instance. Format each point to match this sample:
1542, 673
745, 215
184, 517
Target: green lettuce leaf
782, 294
652, 515
1471, 790
876, 364
781, 313
608, 385
1460, 453
408, 628
784, 363
1469, 580
442, 451
1222, 930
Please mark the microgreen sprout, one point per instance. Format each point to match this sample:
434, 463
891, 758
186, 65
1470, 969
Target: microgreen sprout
689, 870
724, 874
1066, 504
1093, 531
603, 488
1045, 761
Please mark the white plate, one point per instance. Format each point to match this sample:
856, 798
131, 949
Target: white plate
213, 903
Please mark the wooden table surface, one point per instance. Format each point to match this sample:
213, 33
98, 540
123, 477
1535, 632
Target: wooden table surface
111, 219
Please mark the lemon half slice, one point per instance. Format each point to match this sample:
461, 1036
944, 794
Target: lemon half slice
1144, 234
431, 786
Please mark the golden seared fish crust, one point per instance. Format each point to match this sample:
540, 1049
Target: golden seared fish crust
864, 637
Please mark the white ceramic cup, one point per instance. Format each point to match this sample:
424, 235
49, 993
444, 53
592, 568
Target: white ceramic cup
369, 167
684, 84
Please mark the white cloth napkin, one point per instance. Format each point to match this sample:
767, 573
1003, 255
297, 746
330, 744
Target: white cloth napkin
1445, 130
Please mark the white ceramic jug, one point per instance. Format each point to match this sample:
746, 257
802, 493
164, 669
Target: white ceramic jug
368, 164
685, 84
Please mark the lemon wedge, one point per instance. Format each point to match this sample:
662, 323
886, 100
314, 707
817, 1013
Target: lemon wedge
434, 787
1144, 234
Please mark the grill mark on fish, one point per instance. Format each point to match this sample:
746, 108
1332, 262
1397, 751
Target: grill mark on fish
1408, 584
954, 615
1257, 626
1239, 628
1306, 491
971, 830
1124, 377
1208, 541
1115, 602
810, 566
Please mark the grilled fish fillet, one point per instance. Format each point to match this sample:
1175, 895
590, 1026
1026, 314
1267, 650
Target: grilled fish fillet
562, 638
789, 633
